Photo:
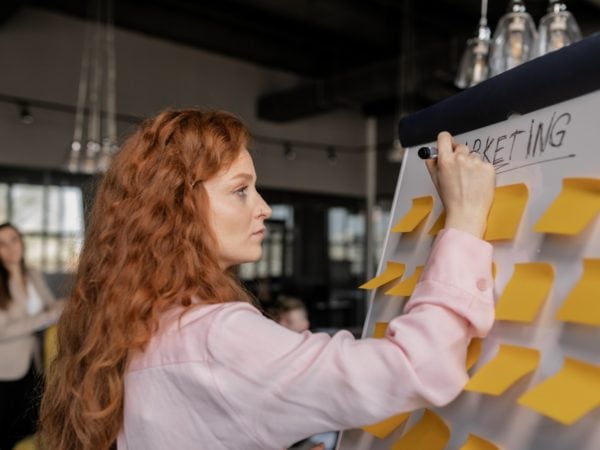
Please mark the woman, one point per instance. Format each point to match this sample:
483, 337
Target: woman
160, 347
26, 306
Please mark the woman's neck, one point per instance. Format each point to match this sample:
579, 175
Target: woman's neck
16, 273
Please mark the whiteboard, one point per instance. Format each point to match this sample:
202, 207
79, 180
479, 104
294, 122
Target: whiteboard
539, 149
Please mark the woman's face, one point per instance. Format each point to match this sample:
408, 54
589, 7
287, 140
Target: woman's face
295, 320
237, 212
11, 247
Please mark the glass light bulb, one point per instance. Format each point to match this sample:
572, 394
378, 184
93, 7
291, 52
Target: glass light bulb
557, 29
73, 163
513, 40
91, 151
107, 152
473, 68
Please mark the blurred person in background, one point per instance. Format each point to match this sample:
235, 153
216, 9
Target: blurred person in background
291, 313
26, 306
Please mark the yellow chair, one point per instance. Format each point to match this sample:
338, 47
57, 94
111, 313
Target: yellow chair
50, 346
26, 444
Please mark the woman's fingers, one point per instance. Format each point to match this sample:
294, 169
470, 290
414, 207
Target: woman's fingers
465, 184
445, 144
461, 150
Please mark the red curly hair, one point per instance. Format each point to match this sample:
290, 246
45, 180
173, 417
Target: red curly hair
149, 248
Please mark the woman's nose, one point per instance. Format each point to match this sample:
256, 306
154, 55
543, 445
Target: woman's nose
265, 210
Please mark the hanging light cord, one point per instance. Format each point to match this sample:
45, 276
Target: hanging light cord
483, 19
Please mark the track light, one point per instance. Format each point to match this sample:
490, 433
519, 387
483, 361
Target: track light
25, 114
288, 152
332, 156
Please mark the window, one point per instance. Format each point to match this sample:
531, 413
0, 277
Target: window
347, 238
50, 218
277, 247
3, 203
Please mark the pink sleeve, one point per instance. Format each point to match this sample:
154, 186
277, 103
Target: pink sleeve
294, 385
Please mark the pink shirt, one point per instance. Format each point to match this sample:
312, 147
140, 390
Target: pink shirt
228, 378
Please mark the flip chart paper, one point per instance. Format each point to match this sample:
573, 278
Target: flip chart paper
421, 207
506, 212
384, 429
577, 205
567, 396
526, 291
392, 271
474, 442
508, 366
430, 433
582, 305
380, 329
406, 287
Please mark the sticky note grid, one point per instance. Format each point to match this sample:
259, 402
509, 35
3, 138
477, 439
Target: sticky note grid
564, 396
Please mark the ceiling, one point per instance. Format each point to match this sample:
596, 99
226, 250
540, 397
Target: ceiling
372, 54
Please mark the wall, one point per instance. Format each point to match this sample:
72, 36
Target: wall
40, 54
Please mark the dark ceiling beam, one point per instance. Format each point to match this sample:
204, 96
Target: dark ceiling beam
241, 30
365, 20
348, 90
249, 33
375, 88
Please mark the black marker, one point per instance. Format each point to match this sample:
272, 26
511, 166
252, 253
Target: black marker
428, 153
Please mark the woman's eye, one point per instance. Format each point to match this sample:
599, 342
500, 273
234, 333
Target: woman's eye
242, 191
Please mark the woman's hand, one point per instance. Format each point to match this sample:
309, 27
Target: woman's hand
56, 309
465, 184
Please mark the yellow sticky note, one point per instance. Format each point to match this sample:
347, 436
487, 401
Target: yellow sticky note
406, 287
439, 224
384, 428
421, 207
380, 329
505, 214
576, 205
583, 302
430, 433
508, 366
474, 442
525, 292
392, 271
473, 352
567, 396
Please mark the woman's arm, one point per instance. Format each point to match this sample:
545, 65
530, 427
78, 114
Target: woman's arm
17, 325
43, 290
15, 322
294, 385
